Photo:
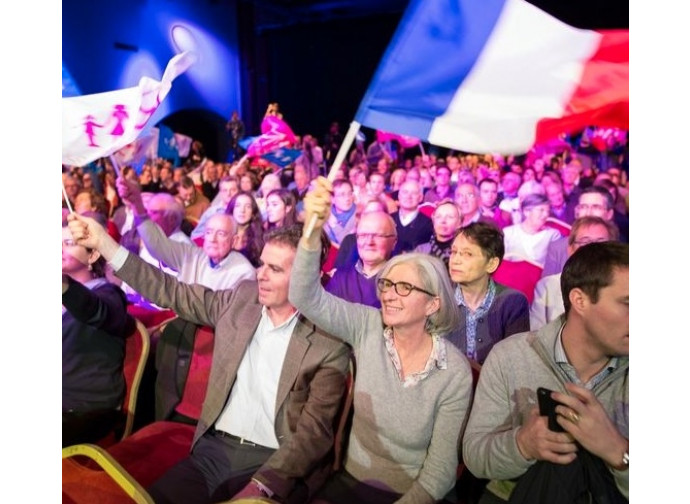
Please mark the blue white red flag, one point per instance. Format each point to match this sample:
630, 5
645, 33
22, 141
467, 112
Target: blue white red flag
496, 76
95, 126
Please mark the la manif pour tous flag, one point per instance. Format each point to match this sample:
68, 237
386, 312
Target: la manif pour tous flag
95, 126
496, 76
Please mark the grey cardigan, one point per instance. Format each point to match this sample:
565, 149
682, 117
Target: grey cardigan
403, 439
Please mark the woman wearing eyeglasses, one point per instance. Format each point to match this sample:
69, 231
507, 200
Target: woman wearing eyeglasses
412, 388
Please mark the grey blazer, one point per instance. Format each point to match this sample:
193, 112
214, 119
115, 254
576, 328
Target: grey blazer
311, 384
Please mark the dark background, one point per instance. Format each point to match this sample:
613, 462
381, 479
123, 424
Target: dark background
314, 57
318, 70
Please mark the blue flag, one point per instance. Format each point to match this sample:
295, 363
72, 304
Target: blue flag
246, 142
167, 145
283, 156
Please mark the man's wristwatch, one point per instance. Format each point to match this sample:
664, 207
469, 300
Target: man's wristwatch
626, 462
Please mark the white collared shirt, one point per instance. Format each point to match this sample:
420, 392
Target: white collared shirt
251, 408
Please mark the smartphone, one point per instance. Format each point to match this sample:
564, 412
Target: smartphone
547, 408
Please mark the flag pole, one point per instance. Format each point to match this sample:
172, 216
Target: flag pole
337, 162
116, 167
64, 193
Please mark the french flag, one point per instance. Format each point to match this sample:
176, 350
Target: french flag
496, 76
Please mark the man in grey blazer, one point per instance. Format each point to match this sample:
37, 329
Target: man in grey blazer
276, 381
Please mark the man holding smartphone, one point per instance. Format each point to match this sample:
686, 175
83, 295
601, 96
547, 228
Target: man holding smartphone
583, 357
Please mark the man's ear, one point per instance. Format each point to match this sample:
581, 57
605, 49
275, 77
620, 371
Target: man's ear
578, 299
94, 256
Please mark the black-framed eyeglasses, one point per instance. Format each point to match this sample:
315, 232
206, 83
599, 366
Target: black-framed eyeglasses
402, 288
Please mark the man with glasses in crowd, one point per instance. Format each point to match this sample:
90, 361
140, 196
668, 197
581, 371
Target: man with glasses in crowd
548, 300
376, 238
216, 265
593, 201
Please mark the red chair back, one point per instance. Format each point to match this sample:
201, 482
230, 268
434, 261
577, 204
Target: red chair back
136, 354
197, 379
559, 225
155, 448
427, 208
521, 275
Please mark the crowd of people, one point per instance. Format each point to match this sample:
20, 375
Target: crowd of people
393, 264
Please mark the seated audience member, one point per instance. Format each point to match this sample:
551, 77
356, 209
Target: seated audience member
488, 203
72, 186
510, 203
446, 220
376, 238
167, 182
249, 233
412, 389
583, 357
620, 218
216, 265
299, 186
559, 208
397, 178
467, 197
414, 228
342, 220
347, 255
167, 213
195, 203
548, 301
280, 209
270, 182
489, 311
90, 200
275, 387
95, 324
228, 186
376, 187
210, 180
593, 200
530, 239
442, 189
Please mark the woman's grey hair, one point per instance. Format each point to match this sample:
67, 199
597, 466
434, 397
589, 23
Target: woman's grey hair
434, 278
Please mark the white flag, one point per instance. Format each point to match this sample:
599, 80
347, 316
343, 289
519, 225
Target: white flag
144, 147
95, 126
184, 144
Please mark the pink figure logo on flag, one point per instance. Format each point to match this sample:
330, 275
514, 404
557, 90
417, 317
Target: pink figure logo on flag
120, 114
146, 113
90, 126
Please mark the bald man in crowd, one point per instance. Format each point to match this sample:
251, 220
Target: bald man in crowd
216, 265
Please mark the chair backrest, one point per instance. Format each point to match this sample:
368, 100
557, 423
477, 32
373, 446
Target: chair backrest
137, 348
559, 225
101, 479
520, 274
194, 391
344, 416
427, 208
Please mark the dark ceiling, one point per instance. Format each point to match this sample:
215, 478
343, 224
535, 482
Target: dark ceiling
276, 14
